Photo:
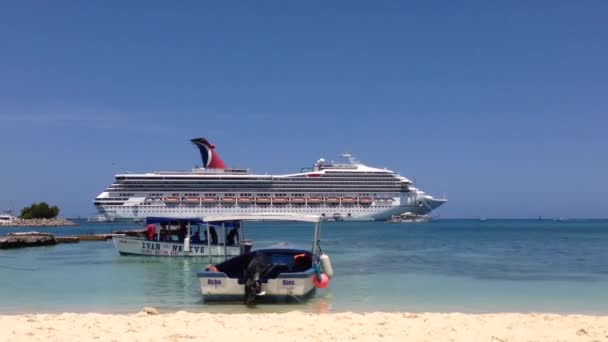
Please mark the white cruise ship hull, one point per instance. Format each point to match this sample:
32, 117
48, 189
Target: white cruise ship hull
375, 211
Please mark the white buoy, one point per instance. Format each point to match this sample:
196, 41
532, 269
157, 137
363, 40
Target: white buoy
326, 264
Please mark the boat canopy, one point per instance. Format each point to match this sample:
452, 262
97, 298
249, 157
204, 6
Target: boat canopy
263, 217
191, 220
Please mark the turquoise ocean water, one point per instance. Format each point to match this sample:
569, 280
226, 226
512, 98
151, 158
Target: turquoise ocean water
445, 265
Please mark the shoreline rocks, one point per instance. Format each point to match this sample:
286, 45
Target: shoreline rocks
54, 222
29, 239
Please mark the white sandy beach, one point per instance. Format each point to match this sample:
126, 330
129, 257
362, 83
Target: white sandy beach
298, 326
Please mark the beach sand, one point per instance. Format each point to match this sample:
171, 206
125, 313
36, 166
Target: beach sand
298, 326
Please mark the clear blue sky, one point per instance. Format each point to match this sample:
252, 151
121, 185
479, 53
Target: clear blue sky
502, 106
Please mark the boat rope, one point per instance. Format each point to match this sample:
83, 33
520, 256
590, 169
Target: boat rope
297, 299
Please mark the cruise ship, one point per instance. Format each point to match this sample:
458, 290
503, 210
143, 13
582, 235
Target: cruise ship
346, 190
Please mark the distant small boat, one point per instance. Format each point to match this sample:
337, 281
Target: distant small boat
6, 218
99, 218
408, 218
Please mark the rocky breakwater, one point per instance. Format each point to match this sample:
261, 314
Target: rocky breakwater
29, 239
54, 222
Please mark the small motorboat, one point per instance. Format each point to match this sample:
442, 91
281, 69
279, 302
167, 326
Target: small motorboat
184, 237
275, 274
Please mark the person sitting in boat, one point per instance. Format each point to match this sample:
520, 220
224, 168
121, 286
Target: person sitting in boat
151, 232
182, 231
232, 234
196, 237
164, 233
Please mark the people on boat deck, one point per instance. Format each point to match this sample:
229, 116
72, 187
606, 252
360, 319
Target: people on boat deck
182, 231
164, 232
232, 234
196, 237
213, 235
151, 232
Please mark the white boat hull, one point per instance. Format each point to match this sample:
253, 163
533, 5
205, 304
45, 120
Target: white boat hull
217, 286
141, 246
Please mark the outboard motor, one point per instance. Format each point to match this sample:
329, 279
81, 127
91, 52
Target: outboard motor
254, 270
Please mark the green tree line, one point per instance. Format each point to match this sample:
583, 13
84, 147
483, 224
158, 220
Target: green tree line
39, 210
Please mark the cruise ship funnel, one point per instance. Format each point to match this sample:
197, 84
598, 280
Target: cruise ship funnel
210, 158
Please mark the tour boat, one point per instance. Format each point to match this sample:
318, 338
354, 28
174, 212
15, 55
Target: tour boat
185, 237
268, 274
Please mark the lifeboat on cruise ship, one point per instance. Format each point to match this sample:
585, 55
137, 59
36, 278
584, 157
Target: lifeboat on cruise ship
298, 200
192, 200
262, 200
228, 200
365, 200
314, 200
349, 200
245, 200
171, 200
280, 200
209, 200
332, 200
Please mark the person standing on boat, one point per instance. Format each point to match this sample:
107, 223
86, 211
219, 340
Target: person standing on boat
232, 234
151, 232
213, 235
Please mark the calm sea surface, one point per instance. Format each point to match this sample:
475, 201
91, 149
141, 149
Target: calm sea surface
445, 265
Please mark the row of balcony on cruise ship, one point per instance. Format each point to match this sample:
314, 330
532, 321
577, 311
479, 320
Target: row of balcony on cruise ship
269, 200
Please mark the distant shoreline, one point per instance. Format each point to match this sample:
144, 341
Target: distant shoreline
55, 222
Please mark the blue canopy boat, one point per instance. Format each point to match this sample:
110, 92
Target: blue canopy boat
281, 274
